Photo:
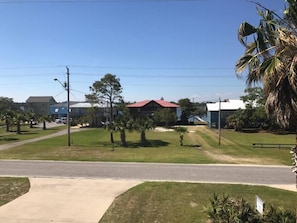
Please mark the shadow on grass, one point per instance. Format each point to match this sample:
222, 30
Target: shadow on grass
148, 143
197, 146
28, 133
8, 139
50, 129
133, 145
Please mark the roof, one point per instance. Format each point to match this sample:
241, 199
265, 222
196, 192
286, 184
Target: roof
85, 105
73, 104
35, 99
228, 105
162, 103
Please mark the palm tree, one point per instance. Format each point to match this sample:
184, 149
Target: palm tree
6, 111
141, 125
18, 117
181, 131
30, 115
271, 58
7, 116
122, 123
44, 119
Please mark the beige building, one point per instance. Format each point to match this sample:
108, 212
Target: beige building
40, 105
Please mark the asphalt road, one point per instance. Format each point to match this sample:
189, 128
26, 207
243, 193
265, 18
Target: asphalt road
262, 175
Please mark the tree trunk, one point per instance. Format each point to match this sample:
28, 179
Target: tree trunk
123, 137
18, 127
294, 155
111, 137
181, 139
44, 125
111, 112
142, 138
7, 125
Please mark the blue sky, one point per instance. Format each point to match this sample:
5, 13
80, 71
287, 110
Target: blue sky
170, 49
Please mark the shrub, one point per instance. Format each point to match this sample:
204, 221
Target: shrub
278, 215
232, 210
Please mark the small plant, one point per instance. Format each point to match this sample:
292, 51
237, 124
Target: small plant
278, 215
232, 210
181, 131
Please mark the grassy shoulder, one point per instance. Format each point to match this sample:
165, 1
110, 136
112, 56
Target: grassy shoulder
12, 188
186, 202
94, 145
236, 147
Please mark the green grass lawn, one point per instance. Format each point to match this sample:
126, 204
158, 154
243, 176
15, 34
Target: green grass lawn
185, 202
26, 133
94, 145
12, 187
236, 147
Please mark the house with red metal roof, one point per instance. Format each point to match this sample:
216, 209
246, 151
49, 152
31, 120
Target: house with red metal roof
148, 107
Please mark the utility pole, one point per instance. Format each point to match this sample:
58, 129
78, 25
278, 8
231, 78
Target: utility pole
66, 86
68, 106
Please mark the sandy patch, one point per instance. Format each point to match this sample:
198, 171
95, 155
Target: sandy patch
236, 160
162, 129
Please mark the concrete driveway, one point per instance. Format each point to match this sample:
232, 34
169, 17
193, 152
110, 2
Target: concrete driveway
64, 200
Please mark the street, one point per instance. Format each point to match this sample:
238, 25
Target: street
250, 174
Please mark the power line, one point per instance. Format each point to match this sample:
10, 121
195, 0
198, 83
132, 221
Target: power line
118, 67
160, 76
140, 76
74, 96
153, 68
29, 67
164, 84
81, 92
62, 92
92, 1
184, 85
25, 75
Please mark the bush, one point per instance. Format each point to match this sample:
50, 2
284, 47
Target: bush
278, 215
231, 210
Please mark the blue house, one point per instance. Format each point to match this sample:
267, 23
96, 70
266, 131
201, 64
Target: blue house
77, 109
59, 110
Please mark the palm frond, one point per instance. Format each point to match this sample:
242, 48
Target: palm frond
251, 48
271, 65
293, 67
245, 30
243, 63
290, 14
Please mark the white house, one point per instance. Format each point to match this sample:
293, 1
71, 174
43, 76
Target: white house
225, 108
